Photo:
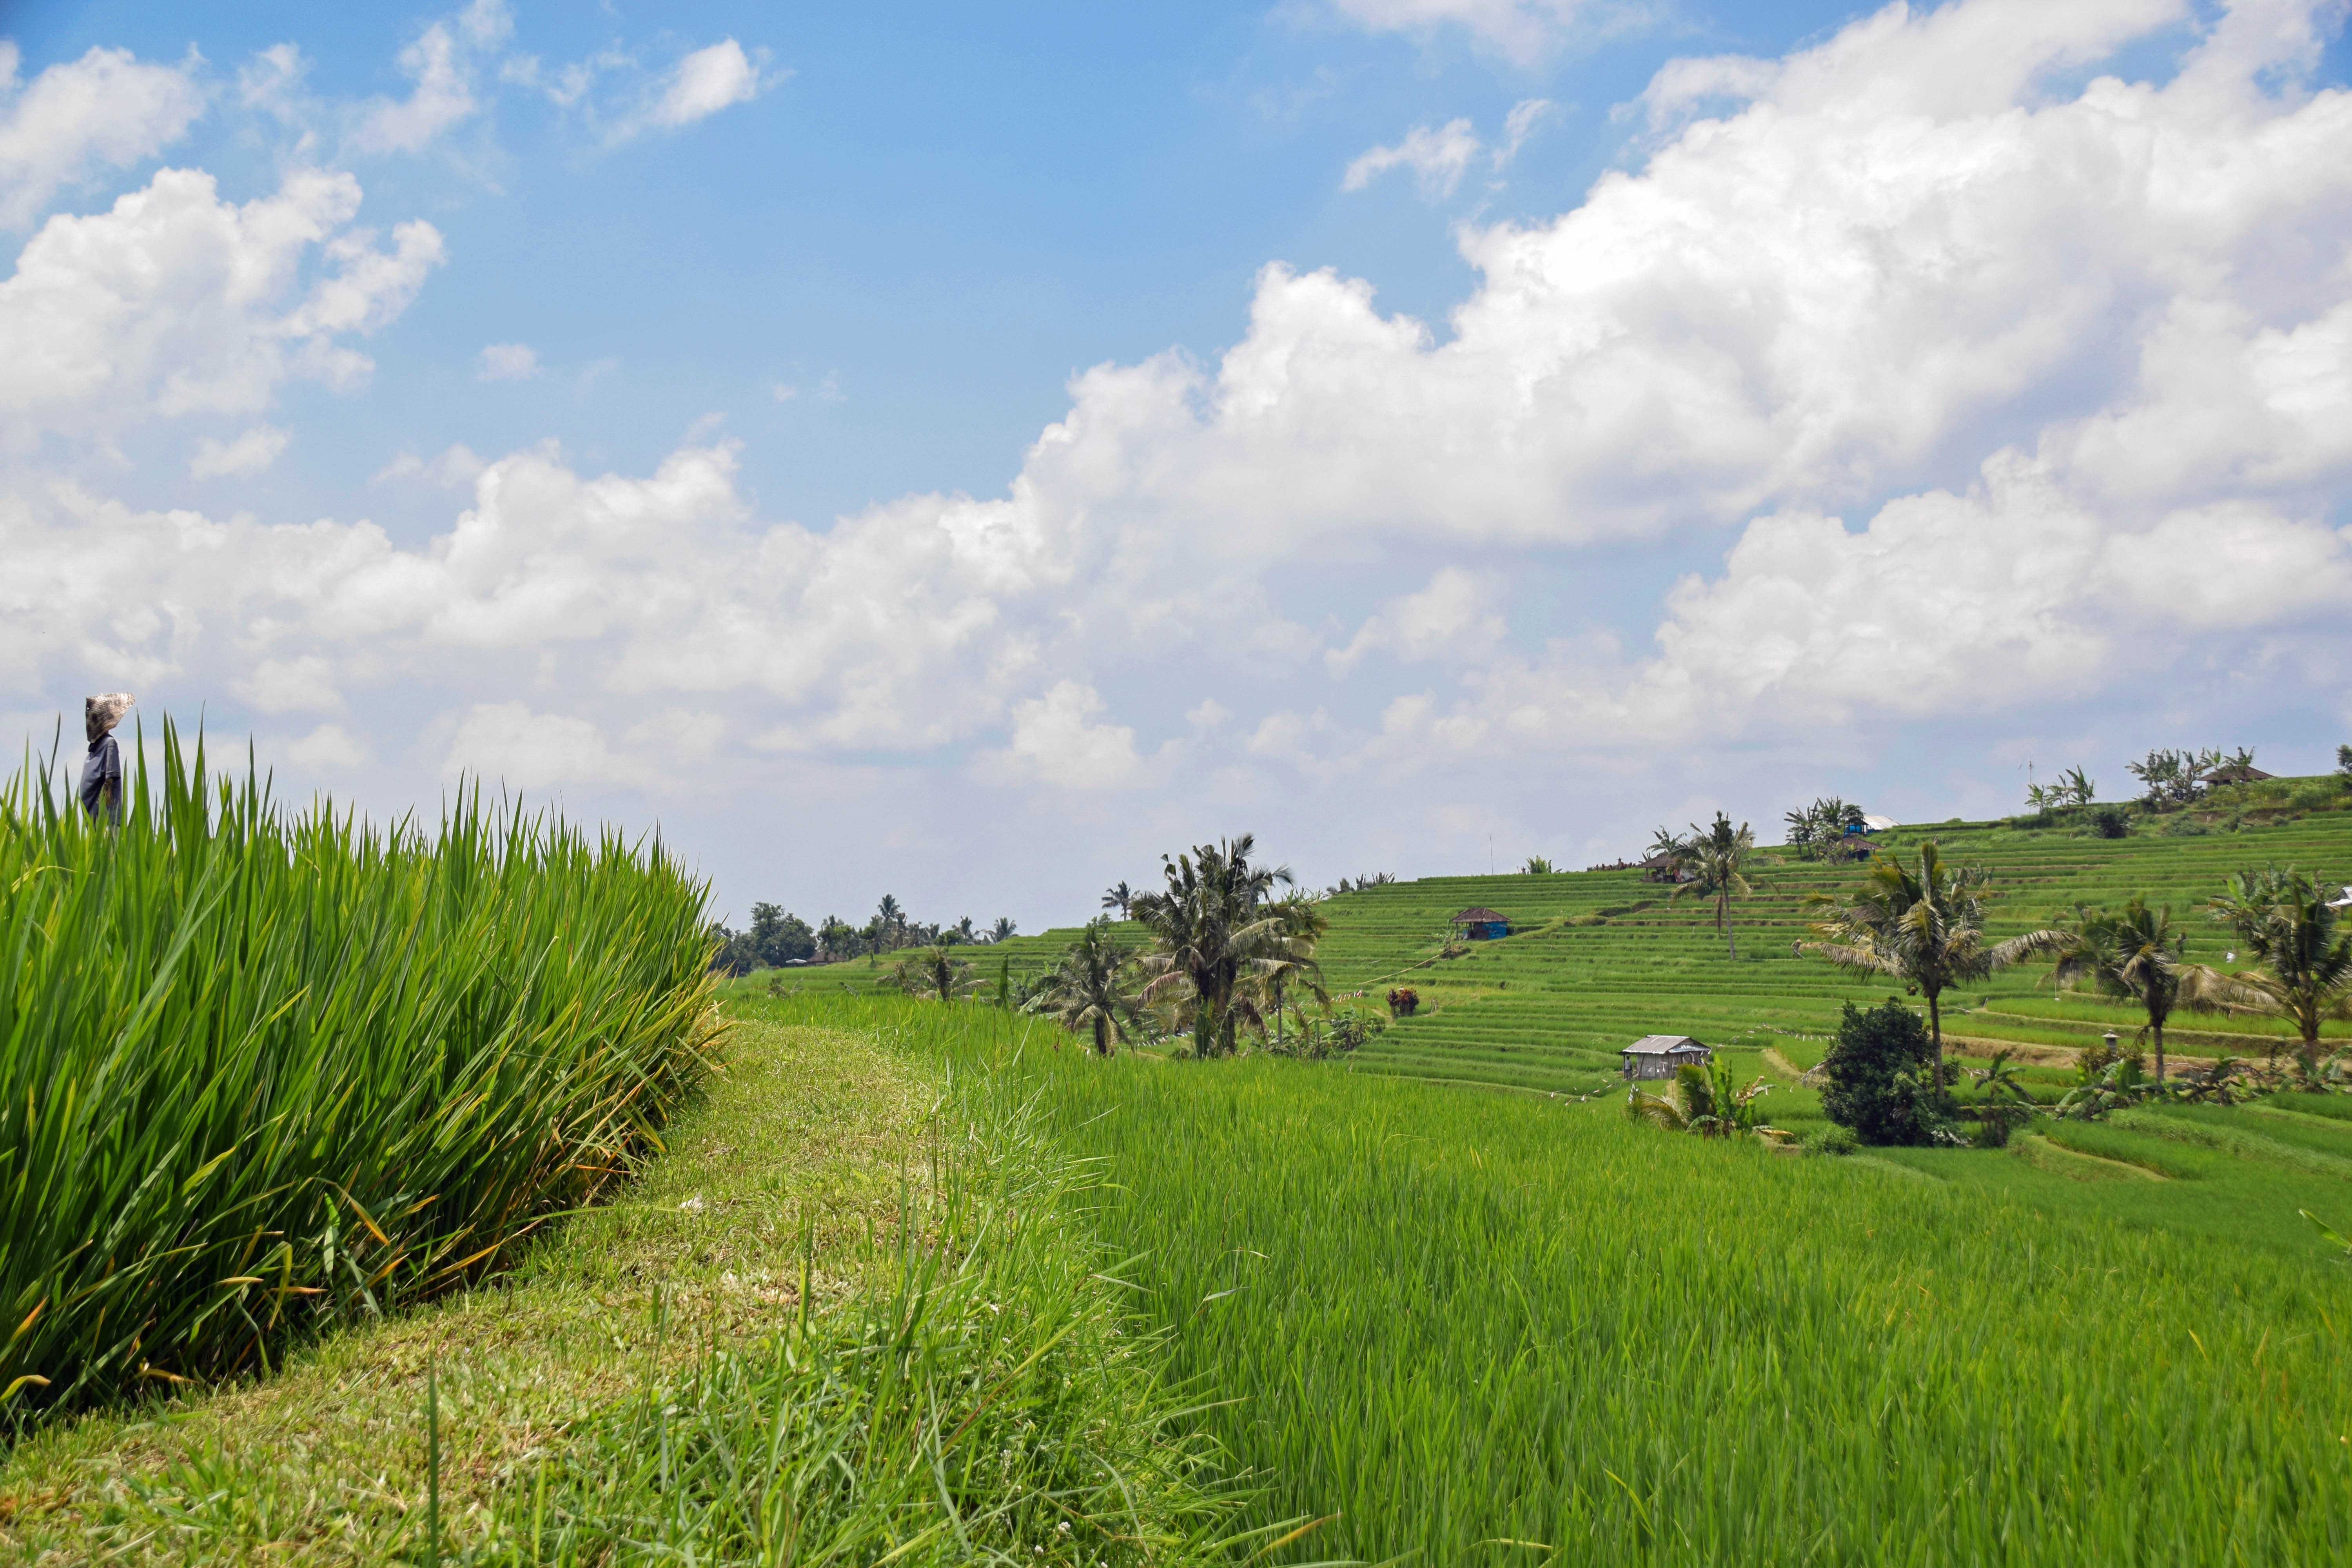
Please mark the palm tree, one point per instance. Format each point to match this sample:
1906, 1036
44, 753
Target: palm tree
1210, 928
1290, 957
1089, 986
933, 972
1927, 930
2304, 966
1716, 854
1118, 897
2136, 952
1004, 929
889, 921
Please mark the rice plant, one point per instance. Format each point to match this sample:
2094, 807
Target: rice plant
262, 1069
1480, 1327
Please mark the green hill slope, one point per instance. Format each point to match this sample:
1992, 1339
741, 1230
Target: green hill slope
1596, 958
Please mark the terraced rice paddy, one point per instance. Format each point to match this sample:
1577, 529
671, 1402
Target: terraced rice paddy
1598, 959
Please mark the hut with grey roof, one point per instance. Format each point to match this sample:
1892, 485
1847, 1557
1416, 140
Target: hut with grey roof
1657, 1056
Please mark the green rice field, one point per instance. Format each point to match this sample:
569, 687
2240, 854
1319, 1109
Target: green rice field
262, 1069
1457, 1327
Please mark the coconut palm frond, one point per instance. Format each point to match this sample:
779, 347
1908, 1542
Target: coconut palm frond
1862, 960
1657, 1111
2018, 949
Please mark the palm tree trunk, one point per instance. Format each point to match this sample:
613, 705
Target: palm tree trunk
1102, 1035
1936, 1034
2155, 1028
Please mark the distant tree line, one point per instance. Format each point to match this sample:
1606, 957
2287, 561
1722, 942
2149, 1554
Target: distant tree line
776, 937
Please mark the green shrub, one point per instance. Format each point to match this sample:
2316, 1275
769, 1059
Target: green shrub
1881, 1068
2110, 822
1832, 1140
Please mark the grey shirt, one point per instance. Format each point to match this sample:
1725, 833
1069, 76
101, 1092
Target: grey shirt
103, 767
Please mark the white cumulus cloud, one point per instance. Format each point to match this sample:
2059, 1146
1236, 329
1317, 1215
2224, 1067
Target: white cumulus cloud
1456, 614
290, 685
329, 749
505, 744
508, 362
1437, 156
1057, 738
250, 453
106, 109
707, 81
176, 302
443, 63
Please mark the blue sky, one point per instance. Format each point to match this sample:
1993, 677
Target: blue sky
961, 452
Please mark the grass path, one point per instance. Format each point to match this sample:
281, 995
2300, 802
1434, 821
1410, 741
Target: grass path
2059, 1161
326, 1461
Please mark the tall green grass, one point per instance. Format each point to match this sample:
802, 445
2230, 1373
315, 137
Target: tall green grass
1493, 1329
263, 1068
1459, 1321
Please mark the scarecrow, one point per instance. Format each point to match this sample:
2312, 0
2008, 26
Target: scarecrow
101, 770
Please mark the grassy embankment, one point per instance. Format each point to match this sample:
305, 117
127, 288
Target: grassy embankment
846, 1299
1509, 1329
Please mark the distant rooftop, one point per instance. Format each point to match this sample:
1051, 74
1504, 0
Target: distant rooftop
1660, 1045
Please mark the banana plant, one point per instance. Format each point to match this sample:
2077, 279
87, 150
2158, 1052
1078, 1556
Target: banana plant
2000, 1096
1711, 1108
2123, 1085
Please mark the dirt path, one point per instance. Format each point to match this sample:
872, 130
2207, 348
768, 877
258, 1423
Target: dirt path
2018, 1051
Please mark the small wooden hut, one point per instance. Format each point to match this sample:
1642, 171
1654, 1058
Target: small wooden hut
2236, 773
1657, 1056
1480, 923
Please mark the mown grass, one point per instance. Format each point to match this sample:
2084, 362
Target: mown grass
264, 1070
